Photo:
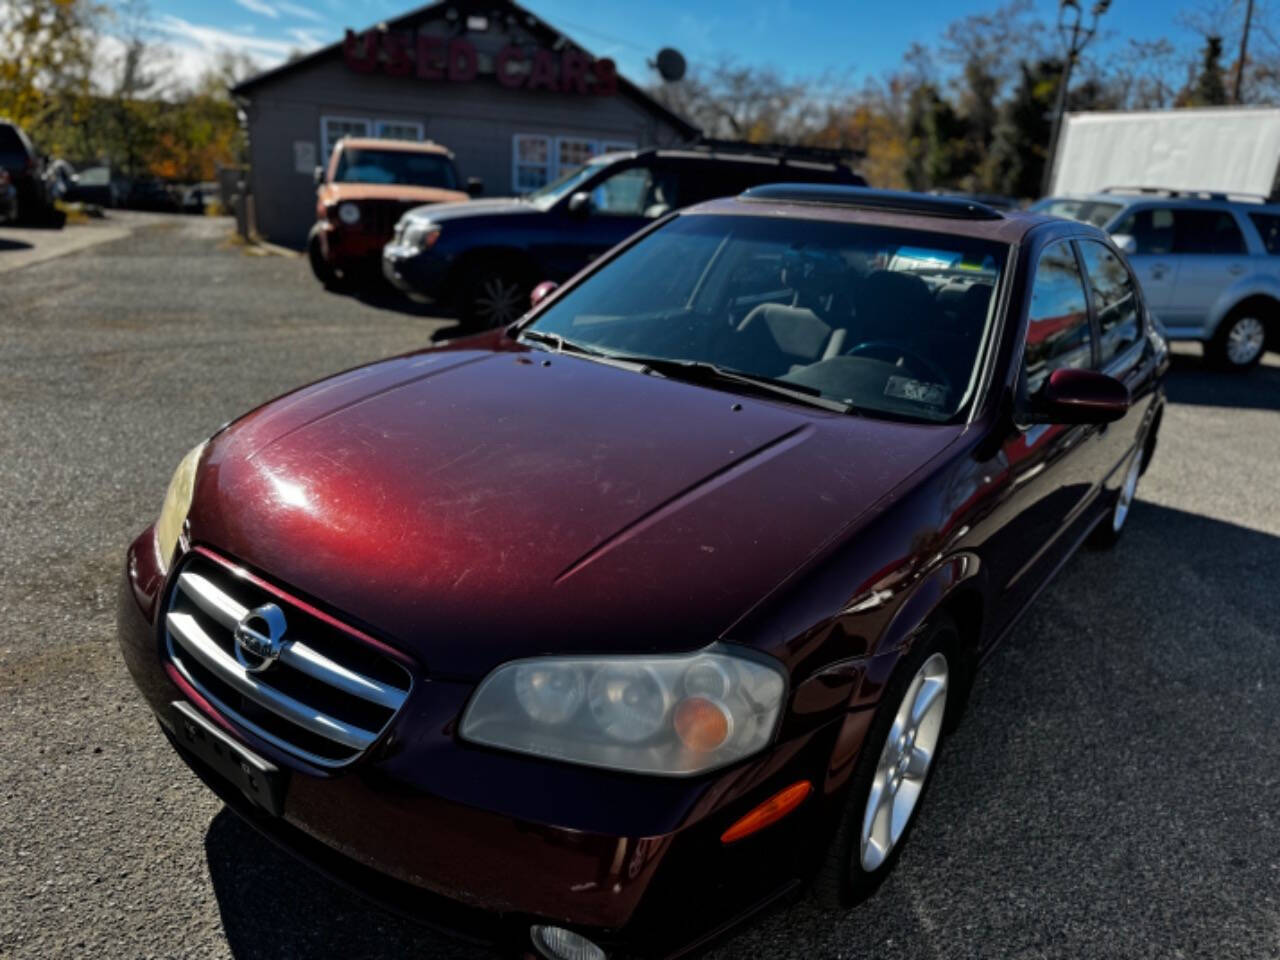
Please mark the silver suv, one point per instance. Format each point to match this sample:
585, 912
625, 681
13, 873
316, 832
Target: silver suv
1209, 264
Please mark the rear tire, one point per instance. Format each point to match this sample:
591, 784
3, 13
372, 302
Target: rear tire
895, 766
1240, 341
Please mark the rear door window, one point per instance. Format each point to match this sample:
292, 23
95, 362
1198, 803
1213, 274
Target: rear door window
1115, 300
13, 152
1207, 232
1268, 226
1058, 332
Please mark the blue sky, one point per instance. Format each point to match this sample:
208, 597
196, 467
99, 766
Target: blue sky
848, 39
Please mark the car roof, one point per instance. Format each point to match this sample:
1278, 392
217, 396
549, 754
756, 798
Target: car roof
1210, 200
722, 156
408, 146
887, 208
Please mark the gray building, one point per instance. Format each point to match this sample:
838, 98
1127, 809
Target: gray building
516, 101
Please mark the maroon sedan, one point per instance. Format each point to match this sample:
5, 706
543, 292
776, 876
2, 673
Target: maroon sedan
595, 635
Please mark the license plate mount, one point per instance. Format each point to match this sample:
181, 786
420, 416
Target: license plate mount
257, 778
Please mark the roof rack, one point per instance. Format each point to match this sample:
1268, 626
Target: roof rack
1175, 193
898, 201
780, 151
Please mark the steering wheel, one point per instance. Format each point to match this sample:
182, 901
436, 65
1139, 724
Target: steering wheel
891, 351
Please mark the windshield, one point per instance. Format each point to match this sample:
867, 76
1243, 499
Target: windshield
406, 167
884, 320
544, 198
1093, 212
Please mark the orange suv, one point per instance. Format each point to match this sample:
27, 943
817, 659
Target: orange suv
367, 185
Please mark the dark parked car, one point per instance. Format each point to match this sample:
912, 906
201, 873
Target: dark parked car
18, 158
596, 634
148, 193
98, 186
483, 259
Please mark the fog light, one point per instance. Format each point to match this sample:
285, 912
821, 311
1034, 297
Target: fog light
556, 943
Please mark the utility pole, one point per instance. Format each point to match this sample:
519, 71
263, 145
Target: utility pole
1075, 37
1244, 49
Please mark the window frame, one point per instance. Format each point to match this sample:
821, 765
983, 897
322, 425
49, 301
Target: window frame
372, 130
1128, 358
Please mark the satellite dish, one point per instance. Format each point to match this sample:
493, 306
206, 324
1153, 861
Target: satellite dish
670, 64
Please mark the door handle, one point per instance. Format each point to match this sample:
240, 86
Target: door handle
1158, 270
1235, 269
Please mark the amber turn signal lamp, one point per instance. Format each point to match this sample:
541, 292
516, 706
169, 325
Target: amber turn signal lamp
700, 724
769, 812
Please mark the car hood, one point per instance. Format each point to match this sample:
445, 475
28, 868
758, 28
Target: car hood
475, 504
493, 207
332, 193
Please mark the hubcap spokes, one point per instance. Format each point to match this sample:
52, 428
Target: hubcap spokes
1126, 493
1245, 340
499, 301
904, 762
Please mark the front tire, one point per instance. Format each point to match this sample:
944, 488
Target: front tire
321, 267
1240, 341
1107, 533
895, 766
493, 297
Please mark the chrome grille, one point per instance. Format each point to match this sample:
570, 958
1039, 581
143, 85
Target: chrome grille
326, 699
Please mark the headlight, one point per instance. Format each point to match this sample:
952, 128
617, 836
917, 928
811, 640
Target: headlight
421, 235
672, 716
349, 214
177, 501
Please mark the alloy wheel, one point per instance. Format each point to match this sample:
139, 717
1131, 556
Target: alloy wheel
904, 762
1127, 492
499, 302
1245, 340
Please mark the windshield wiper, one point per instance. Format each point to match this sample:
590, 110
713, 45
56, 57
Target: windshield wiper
699, 371
563, 345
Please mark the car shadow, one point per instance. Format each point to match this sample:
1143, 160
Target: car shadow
7, 245
1119, 750
1191, 381
272, 906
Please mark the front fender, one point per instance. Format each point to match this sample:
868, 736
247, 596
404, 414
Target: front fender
1247, 287
930, 592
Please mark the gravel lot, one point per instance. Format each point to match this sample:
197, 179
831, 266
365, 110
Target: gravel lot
1112, 792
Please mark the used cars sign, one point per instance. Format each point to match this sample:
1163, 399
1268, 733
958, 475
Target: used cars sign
404, 54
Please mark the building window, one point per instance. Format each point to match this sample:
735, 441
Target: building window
532, 162
399, 130
571, 154
333, 129
538, 159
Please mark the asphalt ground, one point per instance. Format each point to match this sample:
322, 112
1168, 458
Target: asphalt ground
1113, 791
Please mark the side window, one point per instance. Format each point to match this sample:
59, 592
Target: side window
625, 194
1268, 225
1207, 231
1152, 230
1058, 330
1114, 298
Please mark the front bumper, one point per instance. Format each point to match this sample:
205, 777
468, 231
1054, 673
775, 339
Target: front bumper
349, 248
486, 843
420, 273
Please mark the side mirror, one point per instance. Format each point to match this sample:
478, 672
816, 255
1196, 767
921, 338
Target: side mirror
543, 290
1125, 243
318, 176
475, 186
1080, 396
580, 204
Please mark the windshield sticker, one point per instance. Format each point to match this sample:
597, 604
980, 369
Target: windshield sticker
904, 388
